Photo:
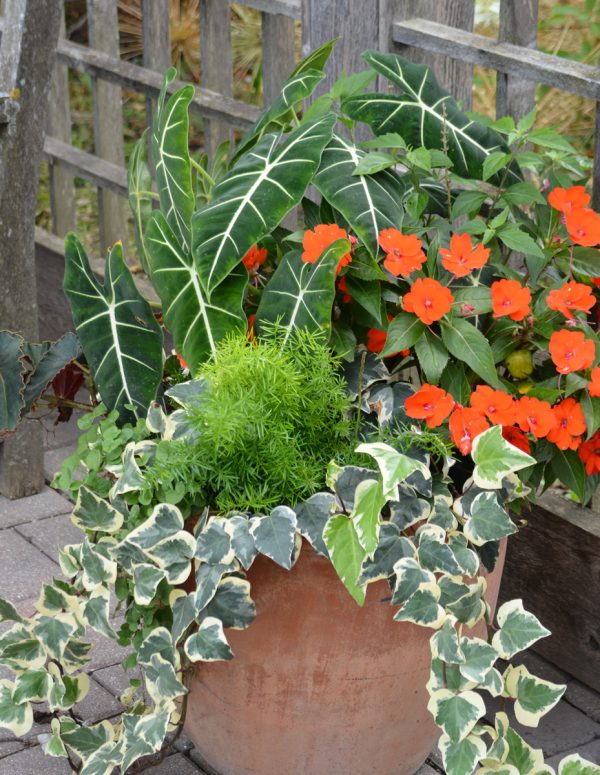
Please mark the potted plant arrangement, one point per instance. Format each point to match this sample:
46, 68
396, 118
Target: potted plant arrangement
351, 411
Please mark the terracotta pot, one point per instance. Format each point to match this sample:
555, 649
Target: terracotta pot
318, 685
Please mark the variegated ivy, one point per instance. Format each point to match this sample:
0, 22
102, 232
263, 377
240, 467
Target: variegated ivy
396, 520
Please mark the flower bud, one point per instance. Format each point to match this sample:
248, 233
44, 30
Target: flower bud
520, 363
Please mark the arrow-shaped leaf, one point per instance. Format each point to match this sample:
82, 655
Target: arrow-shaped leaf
53, 356
197, 325
252, 199
120, 338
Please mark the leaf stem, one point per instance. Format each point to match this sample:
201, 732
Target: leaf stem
199, 168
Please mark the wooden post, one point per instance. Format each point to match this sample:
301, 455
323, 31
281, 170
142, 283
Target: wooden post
279, 56
108, 119
596, 191
452, 74
157, 49
62, 193
518, 24
216, 64
26, 58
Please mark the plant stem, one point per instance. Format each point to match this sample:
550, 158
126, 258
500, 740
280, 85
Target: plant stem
361, 374
56, 401
199, 168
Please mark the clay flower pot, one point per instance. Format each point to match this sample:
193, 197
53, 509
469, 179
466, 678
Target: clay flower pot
318, 685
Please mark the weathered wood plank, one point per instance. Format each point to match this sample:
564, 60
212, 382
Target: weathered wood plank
103, 27
216, 64
102, 173
553, 564
156, 39
279, 44
455, 76
522, 62
518, 24
21, 456
62, 191
291, 8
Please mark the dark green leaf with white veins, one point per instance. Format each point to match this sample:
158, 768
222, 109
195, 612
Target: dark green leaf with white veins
253, 198
369, 203
422, 112
274, 535
139, 191
172, 159
11, 380
300, 295
120, 337
196, 323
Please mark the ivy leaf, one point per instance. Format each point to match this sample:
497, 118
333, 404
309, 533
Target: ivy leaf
479, 658
95, 514
232, 604
534, 696
461, 758
392, 547
422, 608
487, 520
274, 535
437, 557
242, 541
456, 714
495, 458
519, 629
395, 467
214, 544
468, 344
312, 517
575, 765
368, 502
209, 643
346, 553
17, 718
32, 686
8, 613
410, 577
54, 632
146, 579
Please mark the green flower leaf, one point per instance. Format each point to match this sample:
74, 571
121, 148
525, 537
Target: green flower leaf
274, 535
519, 629
139, 194
346, 553
404, 330
495, 457
432, 356
468, 344
209, 644
456, 714
487, 520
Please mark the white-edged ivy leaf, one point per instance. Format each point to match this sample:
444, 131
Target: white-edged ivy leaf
445, 644
369, 201
422, 608
32, 686
300, 294
574, 764
12, 371
438, 557
85, 740
17, 718
312, 516
198, 323
395, 467
232, 604
519, 629
456, 714
461, 758
119, 335
392, 547
488, 520
95, 514
142, 735
172, 158
478, 658
146, 579
209, 643
534, 697
54, 632
254, 197
274, 535
495, 458
242, 540
104, 760
425, 115
468, 344
213, 543
368, 502
8, 613
346, 553
410, 577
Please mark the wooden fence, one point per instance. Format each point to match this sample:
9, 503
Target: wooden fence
437, 33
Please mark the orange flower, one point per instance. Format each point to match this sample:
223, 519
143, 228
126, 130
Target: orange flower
516, 437
510, 298
569, 199
376, 339
315, 242
583, 226
589, 452
594, 385
341, 284
570, 424
570, 296
499, 407
462, 256
428, 299
182, 363
254, 258
535, 416
251, 336
571, 351
465, 425
404, 252
429, 403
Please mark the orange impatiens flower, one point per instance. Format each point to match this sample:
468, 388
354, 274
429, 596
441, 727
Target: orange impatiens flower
570, 425
462, 257
583, 226
343, 288
429, 403
510, 298
535, 416
594, 385
465, 424
428, 299
571, 351
516, 437
404, 252
315, 242
254, 258
571, 296
499, 407
589, 452
376, 339
570, 199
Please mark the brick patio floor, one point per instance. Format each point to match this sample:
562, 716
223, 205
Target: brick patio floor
31, 531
